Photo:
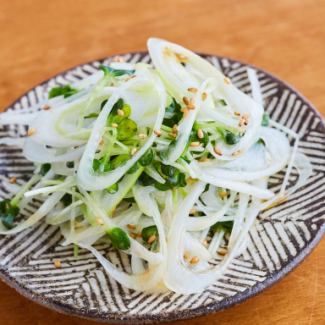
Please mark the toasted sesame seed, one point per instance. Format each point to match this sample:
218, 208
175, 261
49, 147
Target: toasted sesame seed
217, 151
57, 263
99, 221
180, 57
173, 134
192, 90
227, 81
200, 134
167, 51
186, 101
237, 113
131, 226
186, 256
133, 235
157, 133
142, 136
101, 141
205, 243
236, 153
13, 180
118, 59
120, 112
151, 239
175, 128
204, 96
46, 107
191, 104
115, 125
222, 251
194, 260
193, 210
222, 194
31, 132
195, 144
133, 151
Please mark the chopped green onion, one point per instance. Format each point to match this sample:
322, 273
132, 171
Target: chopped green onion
265, 119
119, 238
112, 189
65, 91
115, 72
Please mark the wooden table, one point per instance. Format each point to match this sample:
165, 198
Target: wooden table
41, 38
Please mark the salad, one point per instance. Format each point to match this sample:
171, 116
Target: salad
168, 162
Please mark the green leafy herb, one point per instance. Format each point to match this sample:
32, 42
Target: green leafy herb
101, 165
44, 169
261, 141
115, 72
66, 199
265, 119
147, 158
8, 213
226, 226
112, 189
173, 177
126, 129
173, 114
119, 160
147, 232
222, 102
231, 138
119, 238
65, 91
92, 115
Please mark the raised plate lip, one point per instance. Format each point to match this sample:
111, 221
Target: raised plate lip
174, 315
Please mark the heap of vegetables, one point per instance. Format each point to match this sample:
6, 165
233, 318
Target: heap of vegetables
169, 162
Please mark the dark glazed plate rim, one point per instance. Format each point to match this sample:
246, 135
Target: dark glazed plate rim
175, 315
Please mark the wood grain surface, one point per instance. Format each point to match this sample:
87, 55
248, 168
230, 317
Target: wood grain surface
41, 38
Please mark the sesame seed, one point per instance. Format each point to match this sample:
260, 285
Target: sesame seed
186, 101
131, 226
115, 125
186, 256
204, 96
101, 141
151, 239
200, 134
57, 263
222, 194
236, 153
204, 159
99, 221
191, 104
120, 112
46, 107
193, 210
217, 151
167, 51
181, 58
175, 128
173, 134
133, 151
133, 235
222, 251
31, 132
227, 81
194, 260
205, 243
195, 144
157, 133
237, 113
142, 136
13, 180
192, 90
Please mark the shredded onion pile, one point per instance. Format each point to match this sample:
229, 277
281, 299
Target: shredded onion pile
168, 162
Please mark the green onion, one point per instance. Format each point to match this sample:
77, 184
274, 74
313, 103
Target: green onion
8, 213
112, 189
115, 72
119, 238
147, 158
126, 129
44, 169
65, 91
147, 232
265, 119
231, 138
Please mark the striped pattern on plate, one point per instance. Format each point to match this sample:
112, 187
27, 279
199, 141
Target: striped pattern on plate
279, 240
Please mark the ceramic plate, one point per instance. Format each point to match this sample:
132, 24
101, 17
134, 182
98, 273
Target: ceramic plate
280, 239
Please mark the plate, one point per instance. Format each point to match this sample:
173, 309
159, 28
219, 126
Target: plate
281, 237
